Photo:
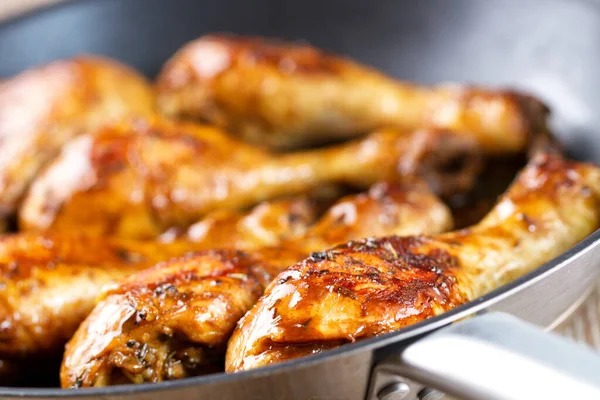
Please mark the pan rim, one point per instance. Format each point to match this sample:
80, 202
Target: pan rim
38, 11
371, 344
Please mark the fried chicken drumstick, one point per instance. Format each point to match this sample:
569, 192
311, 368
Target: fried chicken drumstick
266, 224
353, 291
138, 180
373, 286
287, 95
174, 320
49, 283
171, 274
41, 109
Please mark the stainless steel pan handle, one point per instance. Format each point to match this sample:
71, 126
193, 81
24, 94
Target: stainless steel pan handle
493, 357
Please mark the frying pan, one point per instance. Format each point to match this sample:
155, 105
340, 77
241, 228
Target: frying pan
549, 47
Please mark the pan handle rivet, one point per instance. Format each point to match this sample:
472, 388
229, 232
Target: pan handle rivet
394, 391
430, 394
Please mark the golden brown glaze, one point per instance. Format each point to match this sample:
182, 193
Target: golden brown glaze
374, 286
200, 298
387, 208
148, 327
171, 174
48, 284
41, 109
286, 95
267, 224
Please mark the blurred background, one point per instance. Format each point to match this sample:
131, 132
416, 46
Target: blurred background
12, 7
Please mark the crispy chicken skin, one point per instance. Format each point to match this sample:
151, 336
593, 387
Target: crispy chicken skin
49, 283
286, 95
41, 109
174, 320
166, 174
266, 224
147, 328
373, 286
387, 208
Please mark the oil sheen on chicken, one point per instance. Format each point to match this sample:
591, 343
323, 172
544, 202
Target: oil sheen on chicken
49, 282
43, 108
190, 306
138, 180
288, 95
373, 286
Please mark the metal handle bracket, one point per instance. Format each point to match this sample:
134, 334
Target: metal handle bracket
494, 356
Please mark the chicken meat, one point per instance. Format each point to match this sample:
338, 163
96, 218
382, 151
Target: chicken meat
43, 108
168, 175
373, 286
267, 224
174, 319
49, 282
286, 95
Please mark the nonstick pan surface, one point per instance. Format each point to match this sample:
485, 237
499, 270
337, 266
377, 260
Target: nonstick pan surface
548, 47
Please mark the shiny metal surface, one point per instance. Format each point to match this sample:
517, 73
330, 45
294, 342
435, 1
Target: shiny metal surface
548, 296
344, 378
521, 362
431, 394
394, 391
385, 376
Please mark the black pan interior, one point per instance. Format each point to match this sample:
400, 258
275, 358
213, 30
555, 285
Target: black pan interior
549, 47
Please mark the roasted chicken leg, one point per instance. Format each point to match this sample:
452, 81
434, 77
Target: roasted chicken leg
164, 175
373, 286
174, 320
267, 224
49, 283
287, 95
43, 108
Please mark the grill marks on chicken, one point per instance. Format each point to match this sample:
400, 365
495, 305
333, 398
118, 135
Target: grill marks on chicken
374, 286
202, 297
138, 180
41, 109
287, 95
